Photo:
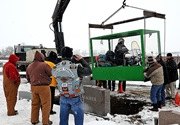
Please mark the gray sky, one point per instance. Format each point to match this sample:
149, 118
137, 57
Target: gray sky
27, 21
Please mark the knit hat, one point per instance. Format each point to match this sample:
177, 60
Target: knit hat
67, 52
169, 54
121, 41
52, 55
150, 60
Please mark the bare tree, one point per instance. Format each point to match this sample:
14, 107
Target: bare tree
7, 51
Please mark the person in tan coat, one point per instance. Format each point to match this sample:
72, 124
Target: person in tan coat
11, 81
155, 73
38, 73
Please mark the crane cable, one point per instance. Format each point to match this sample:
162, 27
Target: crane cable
138, 8
123, 6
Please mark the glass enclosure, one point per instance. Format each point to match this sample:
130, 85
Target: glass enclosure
139, 43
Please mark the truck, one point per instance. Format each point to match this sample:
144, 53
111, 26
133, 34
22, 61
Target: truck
26, 55
26, 52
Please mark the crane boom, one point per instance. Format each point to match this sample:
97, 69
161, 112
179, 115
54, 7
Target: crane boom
57, 16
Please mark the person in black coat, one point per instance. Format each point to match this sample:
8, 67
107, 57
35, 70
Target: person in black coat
120, 52
110, 57
173, 76
166, 80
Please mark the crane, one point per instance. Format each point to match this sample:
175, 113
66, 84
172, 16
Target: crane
57, 17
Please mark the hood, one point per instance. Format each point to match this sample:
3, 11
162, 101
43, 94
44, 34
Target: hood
39, 57
13, 58
52, 56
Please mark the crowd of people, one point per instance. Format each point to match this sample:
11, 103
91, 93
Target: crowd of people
113, 58
163, 76
46, 73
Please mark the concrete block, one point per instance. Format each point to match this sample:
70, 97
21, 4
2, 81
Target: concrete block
96, 100
169, 117
88, 81
24, 95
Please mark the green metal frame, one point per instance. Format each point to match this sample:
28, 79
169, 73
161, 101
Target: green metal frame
129, 73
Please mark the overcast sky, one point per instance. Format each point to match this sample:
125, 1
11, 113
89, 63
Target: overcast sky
27, 21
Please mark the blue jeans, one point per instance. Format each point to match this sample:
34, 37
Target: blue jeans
163, 95
155, 93
75, 105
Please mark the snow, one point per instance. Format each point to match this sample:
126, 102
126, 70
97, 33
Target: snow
145, 117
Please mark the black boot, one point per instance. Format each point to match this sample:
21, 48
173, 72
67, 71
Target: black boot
159, 103
52, 112
155, 107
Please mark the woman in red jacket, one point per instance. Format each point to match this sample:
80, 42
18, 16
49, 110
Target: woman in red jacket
11, 81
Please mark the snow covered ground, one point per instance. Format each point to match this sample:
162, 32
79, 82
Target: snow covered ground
145, 117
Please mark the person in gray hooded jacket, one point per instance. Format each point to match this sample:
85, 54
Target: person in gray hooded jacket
69, 74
